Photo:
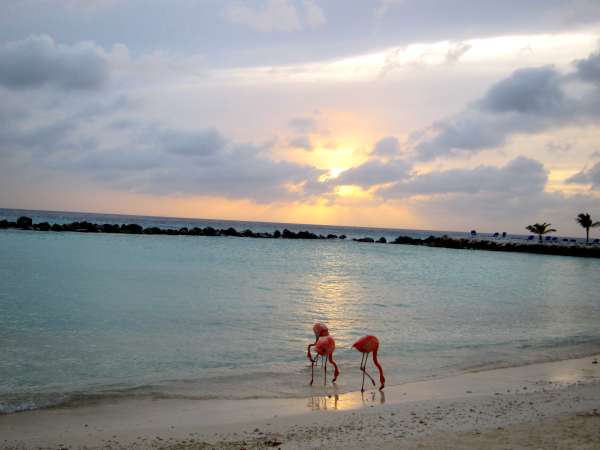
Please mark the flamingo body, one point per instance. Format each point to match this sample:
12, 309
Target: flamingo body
367, 345
320, 330
324, 347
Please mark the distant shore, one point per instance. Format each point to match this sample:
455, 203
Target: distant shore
548, 405
547, 248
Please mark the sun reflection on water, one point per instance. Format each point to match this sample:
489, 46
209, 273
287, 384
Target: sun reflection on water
344, 402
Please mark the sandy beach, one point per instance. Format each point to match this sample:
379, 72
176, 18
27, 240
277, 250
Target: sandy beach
554, 405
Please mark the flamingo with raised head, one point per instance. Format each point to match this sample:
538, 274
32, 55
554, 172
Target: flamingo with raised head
324, 348
320, 330
366, 345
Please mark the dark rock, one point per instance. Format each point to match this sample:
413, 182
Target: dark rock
331, 236
248, 233
343, 236
287, 234
307, 235
382, 240
87, 227
365, 239
132, 228
153, 230
56, 227
230, 232
24, 222
107, 228
183, 230
277, 234
405, 240
43, 226
209, 231
3, 223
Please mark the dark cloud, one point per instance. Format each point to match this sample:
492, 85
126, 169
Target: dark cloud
41, 129
521, 176
529, 100
588, 69
590, 176
527, 91
38, 61
374, 172
387, 147
203, 143
140, 156
236, 172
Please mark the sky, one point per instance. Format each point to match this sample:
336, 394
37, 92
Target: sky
428, 114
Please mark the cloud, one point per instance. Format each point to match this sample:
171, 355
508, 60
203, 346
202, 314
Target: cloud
529, 100
140, 156
302, 142
387, 147
303, 124
588, 69
203, 143
374, 172
277, 15
383, 7
38, 61
521, 176
532, 90
590, 176
314, 14
456, 51
39, 128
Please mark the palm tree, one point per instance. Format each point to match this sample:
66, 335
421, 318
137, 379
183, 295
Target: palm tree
585, 220
540, 229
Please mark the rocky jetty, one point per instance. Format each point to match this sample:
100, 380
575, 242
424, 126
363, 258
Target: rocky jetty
547, 248
26, 223
482, 244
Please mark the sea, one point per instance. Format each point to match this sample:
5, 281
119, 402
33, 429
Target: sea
92, 317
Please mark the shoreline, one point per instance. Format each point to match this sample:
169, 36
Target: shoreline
462, 403
555, 248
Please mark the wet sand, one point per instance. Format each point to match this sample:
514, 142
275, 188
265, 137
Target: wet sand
550, 405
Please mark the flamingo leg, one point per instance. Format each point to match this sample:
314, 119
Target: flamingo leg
308, 353
364, 369
362, 387
324, 362
336, 371
312, 371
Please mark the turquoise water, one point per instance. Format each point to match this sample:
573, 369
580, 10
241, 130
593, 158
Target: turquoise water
84, 316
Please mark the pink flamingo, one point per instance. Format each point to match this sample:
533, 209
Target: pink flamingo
366, 345
320, 330
324, 348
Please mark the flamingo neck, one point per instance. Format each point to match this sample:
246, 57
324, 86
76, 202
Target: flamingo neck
376, 362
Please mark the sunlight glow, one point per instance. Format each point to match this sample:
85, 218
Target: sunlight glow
352, 191
501, 49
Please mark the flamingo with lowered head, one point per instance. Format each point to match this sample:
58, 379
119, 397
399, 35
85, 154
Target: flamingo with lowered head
320, 330
324, 347
366, 345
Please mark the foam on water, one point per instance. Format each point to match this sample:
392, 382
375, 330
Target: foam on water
85, 317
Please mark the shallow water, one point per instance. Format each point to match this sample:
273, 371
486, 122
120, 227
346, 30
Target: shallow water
84, 316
